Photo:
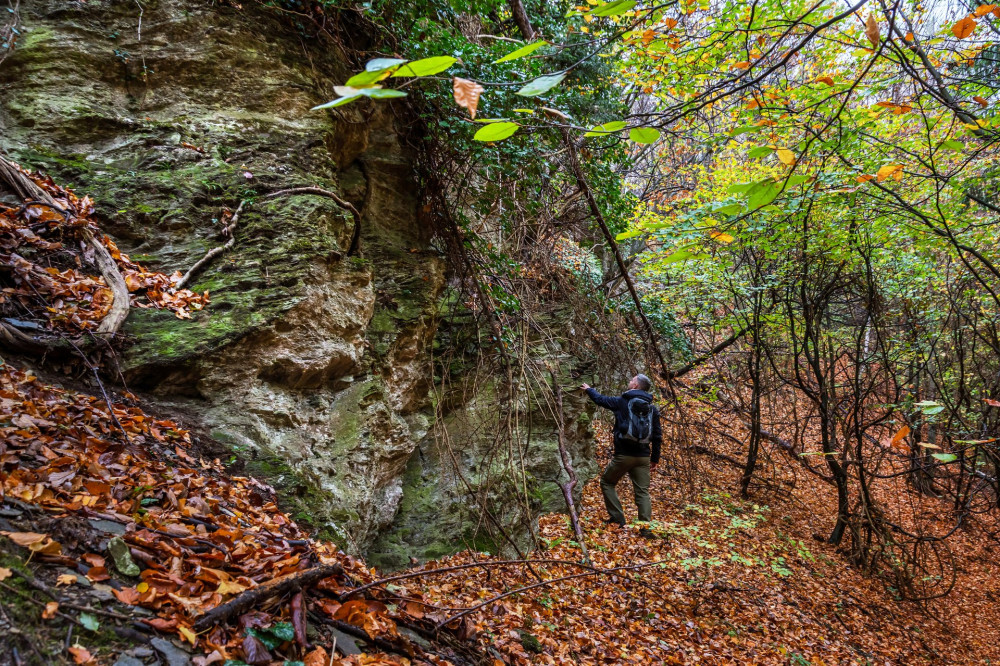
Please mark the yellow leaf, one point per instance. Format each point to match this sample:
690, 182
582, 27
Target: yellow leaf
864, 178
871, 30
467, 94
721, 236
187, 634
230, 587
142, 587
786, 156
63, 579
888, 170
964, 28
7, 573
742, 65
50, 610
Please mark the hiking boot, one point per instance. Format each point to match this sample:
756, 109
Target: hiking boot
647, 533
612, 521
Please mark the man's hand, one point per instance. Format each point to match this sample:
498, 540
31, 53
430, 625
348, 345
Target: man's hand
584, 386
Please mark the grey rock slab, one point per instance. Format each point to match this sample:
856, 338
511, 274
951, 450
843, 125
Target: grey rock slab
346, 644
126, 660
173, 655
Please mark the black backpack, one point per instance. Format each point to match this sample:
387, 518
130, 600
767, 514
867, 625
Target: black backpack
639, 427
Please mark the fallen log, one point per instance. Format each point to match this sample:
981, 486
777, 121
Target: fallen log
251, 598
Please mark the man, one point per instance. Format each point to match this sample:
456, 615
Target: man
637, 437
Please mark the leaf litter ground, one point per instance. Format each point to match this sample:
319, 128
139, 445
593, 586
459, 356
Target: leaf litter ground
724, 582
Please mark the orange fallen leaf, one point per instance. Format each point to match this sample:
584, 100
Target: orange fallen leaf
318, 657
35, 542
81, 655
50, 610
64, 579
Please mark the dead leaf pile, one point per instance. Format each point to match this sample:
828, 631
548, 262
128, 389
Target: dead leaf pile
200, 539
46, 285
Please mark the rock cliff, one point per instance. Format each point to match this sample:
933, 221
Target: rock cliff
313, 367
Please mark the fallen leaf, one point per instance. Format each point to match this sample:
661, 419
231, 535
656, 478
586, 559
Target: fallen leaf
81, 655
35, 542
317, 657
64, 579
50, 610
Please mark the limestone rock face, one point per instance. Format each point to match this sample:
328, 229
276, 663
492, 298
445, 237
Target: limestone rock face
313, 367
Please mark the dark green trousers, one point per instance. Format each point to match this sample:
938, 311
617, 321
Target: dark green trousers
637, 469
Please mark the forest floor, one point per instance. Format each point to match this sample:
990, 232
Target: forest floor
725, 581
736, 582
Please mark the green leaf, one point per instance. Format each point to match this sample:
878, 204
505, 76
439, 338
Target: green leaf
89, 622
683, 255
952, 144
269, 641
644, 134
746, 129
614, 8
496, 131
731, 209
945, 457
606, 128
283, 631
426, 67
363, 79
740, 188
523, 51
628, 234
382, 64
759, 151
541, 85
762, 197
349, 94
796, 179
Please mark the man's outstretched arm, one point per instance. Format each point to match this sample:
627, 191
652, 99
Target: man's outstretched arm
606, 401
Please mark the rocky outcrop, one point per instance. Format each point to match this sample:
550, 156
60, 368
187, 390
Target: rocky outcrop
312, 366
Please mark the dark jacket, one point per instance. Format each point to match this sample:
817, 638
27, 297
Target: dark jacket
619, 405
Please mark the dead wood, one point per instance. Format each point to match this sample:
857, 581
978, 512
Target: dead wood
252, 598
